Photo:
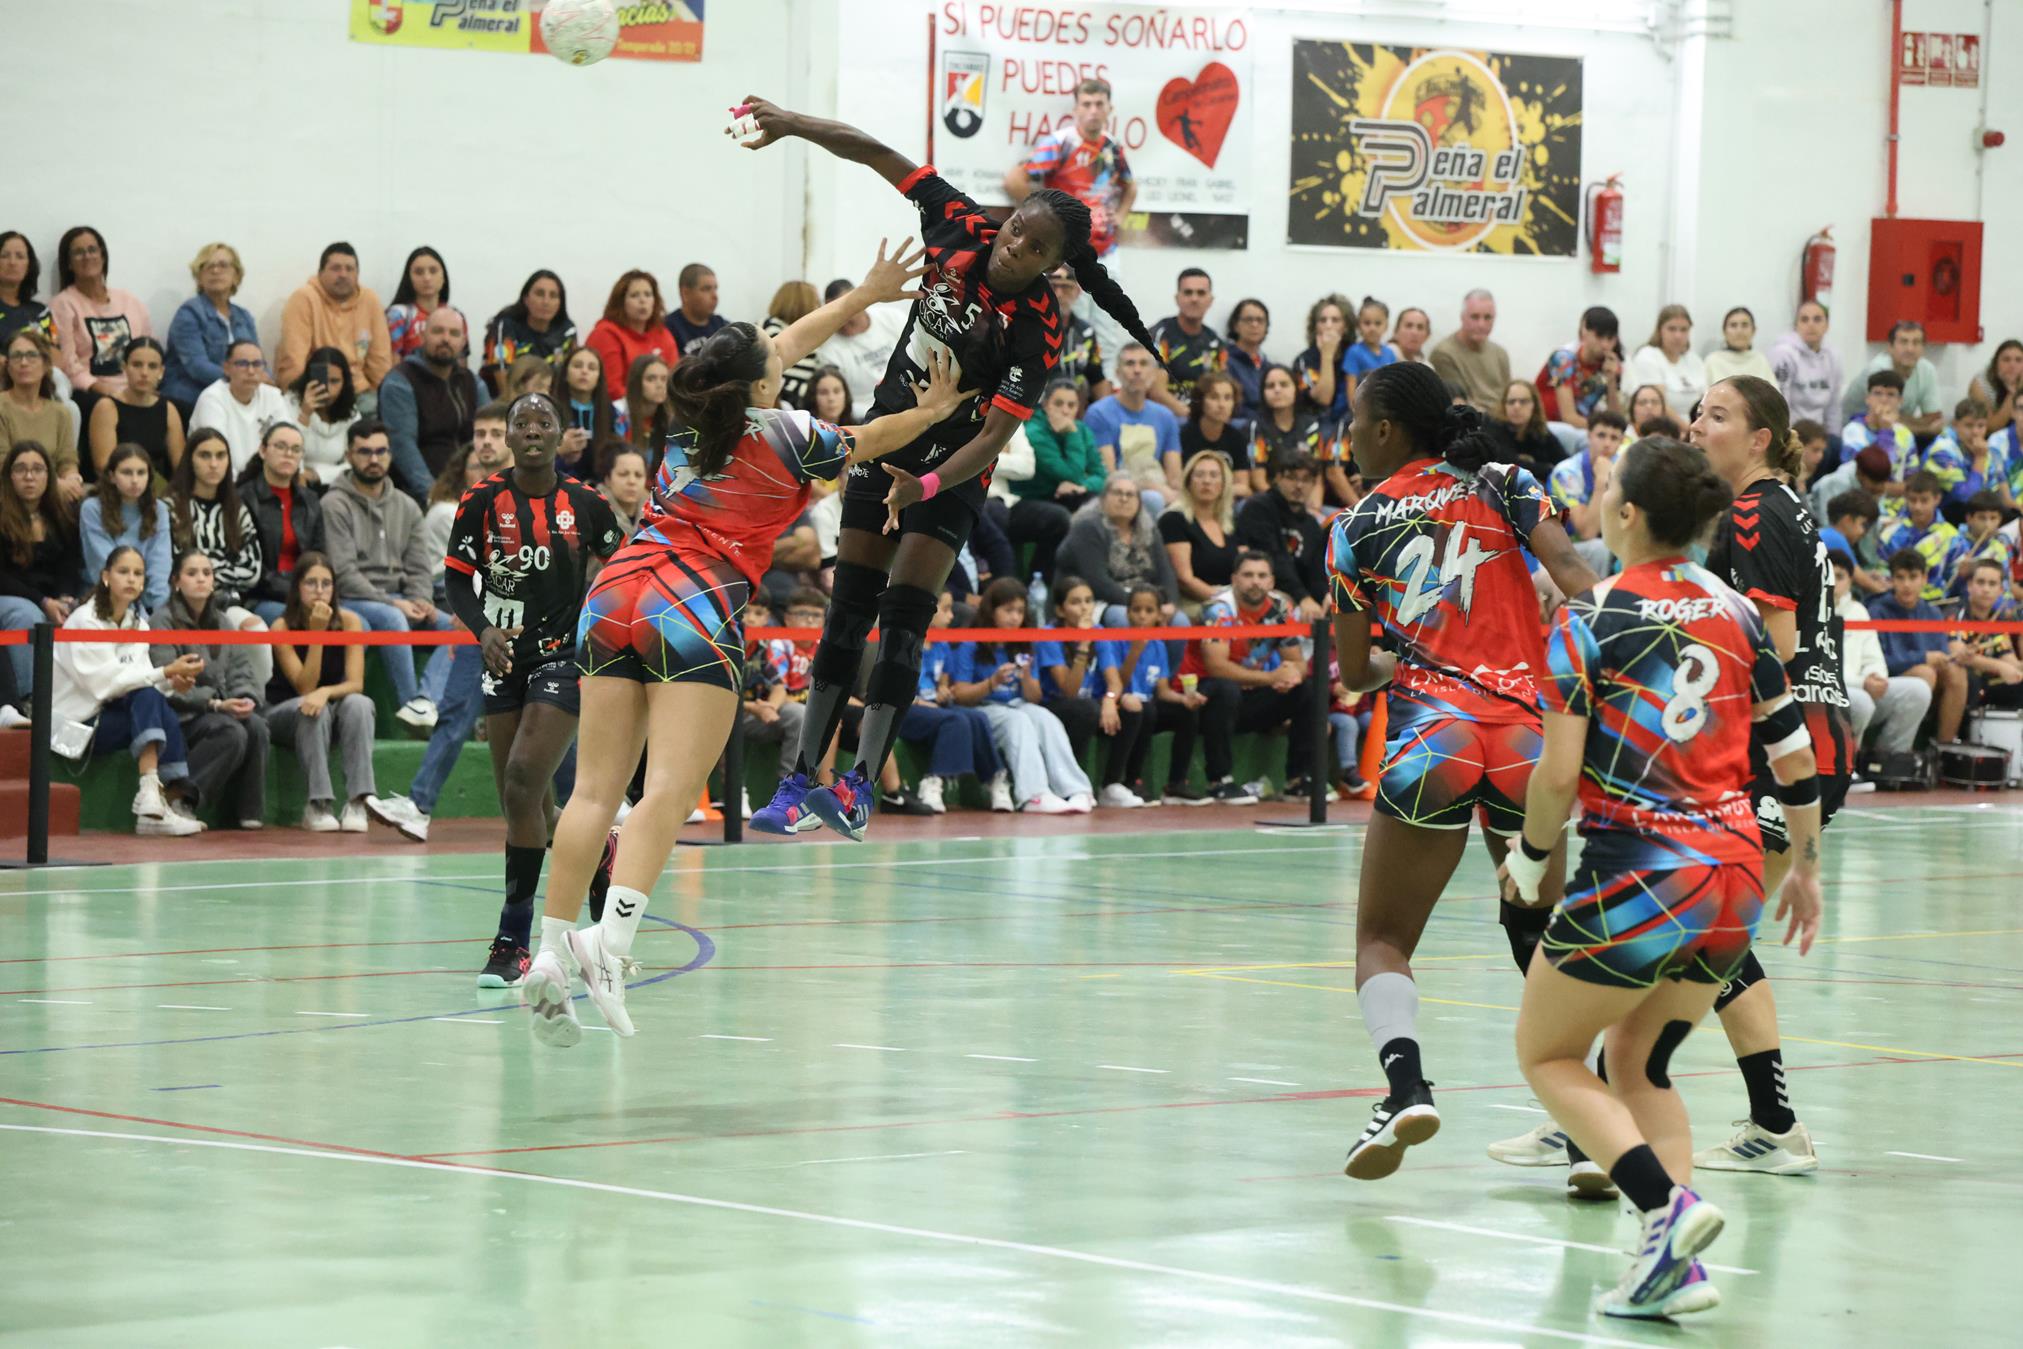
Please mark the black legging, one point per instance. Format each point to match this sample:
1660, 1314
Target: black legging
1182, 720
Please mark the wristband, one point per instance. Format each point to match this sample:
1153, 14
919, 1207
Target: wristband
930, 483
1535, 854
1525, 871
1804, 792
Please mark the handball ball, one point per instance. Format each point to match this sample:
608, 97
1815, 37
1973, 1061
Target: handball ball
581, 32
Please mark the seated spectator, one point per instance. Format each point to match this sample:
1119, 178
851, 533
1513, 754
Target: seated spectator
791, 303
862, 347
1326, 384
625, 488
136, 414
20, 276
331, 309
224, 735
323, 401
648, 414
207, 518
1188, 347
1115, 546
1866, 471
242, 405
1467, 357
1807, 369
1920, 410
31, 411
1369, 351
1669, 361
1249, 326
1920, 655
1282, 427
1959, 457
94, 321
1002, 680
1813, 442
44, 561
125, 511
766, 716
1994, 674
1409, 337
530, 374
317, 695
1849, 517
1520, 433
828, 397
536, 326
1150, 701
1250, 683
463, 472
427, 402
1082, 354
374, 543
288, 516
424, 287
1348, 722
696, 317
595, 421
634, 325
1980, 541
1083, 686
1880, 425
206, 325
1738, 354
1577, 485
1997, 386
1583, 377
1199, 533
1894, 706
1212, 425
1068, 470
1135, 434
797, 562
1920, 529
1277, 525
1646, 402
120, 692
956, 739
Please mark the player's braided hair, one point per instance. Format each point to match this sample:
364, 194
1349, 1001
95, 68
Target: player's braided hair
709, 391
1095, 278
1417, 399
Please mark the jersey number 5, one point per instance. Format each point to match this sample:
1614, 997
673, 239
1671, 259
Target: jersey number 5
1460, 557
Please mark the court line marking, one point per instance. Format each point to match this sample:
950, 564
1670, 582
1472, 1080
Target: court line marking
1001, 1058
883, 1049
467, 1021
348, 1014
1535, 1240
59, 1002
1924, 1156
1527, 1109
755, 1039
1265, 1081
1127, 1068
882, 1157
1058, 1253
188, 1007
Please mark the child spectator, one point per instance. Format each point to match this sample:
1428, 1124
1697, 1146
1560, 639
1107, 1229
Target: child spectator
44, 562
1115, 547
625, 487
529, 374
1000, 679
1283, 425
594, 419
1919, 529
1080, 684
117, 688
956, 739
1157, 702
1585, 376
1813, 443
1894, 705
318, 695
536, 326
1806, 367
1578, 482
424, 287
1982, 542
1866, 471
1994, 674
1326, 383
287, 514
323, 402
94, 321
1212, 425
1068, 470
220, 713
206, 516
1368, 352
1881, 425
31, 411
1919, 655
1959, 456
1348, 722
1278, 525
136, 414
766, 715
123, 510
649, 416
1850, 518
1738, 354
1199, 531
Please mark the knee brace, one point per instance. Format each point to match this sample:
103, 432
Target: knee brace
1524, 927
1750, 974
853, 607
904, 614
1669, 1039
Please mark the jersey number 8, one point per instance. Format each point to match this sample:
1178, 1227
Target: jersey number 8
1686, 713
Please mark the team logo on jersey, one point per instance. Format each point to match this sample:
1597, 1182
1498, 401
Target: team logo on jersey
964, 76
565, 518
506, 519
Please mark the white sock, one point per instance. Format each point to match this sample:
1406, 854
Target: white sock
1390, 1004
623, 908
551, 937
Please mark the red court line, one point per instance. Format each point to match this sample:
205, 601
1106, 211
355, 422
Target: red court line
201, 1128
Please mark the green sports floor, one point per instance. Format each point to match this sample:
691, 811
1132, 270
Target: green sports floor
1012, 1091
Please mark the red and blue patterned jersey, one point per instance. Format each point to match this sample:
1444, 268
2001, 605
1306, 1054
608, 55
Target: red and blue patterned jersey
1667, 664
1436, 555
1094, 172
740, 513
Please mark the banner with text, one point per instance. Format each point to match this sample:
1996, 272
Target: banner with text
653, 30
1003, 82
1435, 150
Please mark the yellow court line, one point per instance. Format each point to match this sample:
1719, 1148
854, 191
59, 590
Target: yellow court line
1907, 1053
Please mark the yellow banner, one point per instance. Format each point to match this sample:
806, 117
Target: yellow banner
656, 30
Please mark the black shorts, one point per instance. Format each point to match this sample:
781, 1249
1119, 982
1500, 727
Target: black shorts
1832, 752
949, 517
552, 681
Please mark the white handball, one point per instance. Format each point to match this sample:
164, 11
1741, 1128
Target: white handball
581, 32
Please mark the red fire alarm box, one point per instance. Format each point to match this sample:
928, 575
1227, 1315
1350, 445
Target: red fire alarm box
1927, 270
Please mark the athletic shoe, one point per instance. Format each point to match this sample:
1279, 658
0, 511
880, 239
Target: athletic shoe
186, 810
1356, 790
1296, 789
13, 718
1543, 1146
1755, 1148
844, 805
1180, 794
550, 1010
1081, 803
1398, 1122
148, 802
505, 966
418, 714
1259, 789
317, 819
252, 826
604, 975
1587, 1180
600, 879
169, 825
1000, 795
399, 812
1117, 796
787, 813
1046, 803
930, 792
1695, 1293
1230, 793
1857, 786
353, 820
903, 802
1672, 1236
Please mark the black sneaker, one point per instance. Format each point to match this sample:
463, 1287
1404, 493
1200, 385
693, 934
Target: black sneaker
1180, 794
506, 966
600, 879
1399, 1122
902, 802
1230, 792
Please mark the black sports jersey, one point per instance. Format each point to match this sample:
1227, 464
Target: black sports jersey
1082, 355
1003, 346
531, 556
1767, 546
1187, 357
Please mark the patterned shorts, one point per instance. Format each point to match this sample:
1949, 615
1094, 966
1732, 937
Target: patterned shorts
1629, 929
1437, 771
658, 616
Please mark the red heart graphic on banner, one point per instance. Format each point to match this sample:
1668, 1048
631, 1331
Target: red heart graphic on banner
1195, 115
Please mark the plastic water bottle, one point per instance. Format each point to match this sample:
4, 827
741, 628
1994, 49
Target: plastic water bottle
1036, 602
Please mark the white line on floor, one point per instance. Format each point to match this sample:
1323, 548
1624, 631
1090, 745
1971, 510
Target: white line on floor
59, 1002
1539, 1241
882, 1157
333, 1014
468, 1020
1265, 1081
1920, 1156
755, 1039
1526, 1109
190, 1007
1513, 1329
1001, 1058
883, 1049
1127, 1068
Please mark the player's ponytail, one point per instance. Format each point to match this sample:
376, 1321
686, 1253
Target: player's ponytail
1672, 484
709, 390
1464, 440
1093, 276
1768, 411
1417, 400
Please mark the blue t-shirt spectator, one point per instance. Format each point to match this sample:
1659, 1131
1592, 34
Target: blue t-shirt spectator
1142, 438
1361, 360
1154, 667
973, 661
1904, 650
1046, 655
936, 659
199, 337
1836, 541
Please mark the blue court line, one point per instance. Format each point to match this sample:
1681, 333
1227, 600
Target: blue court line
705, 951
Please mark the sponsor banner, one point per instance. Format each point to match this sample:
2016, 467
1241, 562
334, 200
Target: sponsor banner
1002, 85
1435, 150
653, 30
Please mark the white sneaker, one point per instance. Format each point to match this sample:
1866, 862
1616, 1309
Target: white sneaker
1081, 803
166, 825
417, 714
399, 812
1046, 803
1755, 1148
148, 802
184, 810
252, 826
1000, 795
929, 792
1260, 789
13, 718
551, 1012
317, 819
604, 976
353, 821
1587, 1180
1543, 1146
1120, 797
695, 816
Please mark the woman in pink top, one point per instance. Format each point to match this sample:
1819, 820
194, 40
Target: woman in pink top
93, 320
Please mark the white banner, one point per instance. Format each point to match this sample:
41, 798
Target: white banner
1003, 80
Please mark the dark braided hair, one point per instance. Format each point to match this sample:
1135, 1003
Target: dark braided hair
1417, 399
1093, 276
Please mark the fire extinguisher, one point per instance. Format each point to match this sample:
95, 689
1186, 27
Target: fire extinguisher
1605, 225
1815, 270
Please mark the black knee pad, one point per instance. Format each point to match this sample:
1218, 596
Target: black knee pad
1524, 927
1669, 1039
904, 614
853, 608
1750, 974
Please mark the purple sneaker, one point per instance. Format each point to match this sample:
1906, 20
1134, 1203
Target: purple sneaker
1664, 1262
787, 813
846, 806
